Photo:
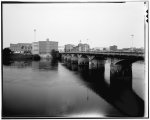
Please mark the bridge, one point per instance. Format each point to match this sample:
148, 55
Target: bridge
89, 58
118, 91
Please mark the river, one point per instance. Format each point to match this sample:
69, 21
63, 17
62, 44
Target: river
50, 88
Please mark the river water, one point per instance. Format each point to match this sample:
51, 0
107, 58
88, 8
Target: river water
49, 88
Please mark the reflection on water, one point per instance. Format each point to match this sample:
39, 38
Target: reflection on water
119, 93
49, 88
122, 94
21, 64
120, 77
45, 65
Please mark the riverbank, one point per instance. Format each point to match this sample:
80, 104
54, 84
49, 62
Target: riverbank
18, 56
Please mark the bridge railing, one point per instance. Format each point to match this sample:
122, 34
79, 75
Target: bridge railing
109, 53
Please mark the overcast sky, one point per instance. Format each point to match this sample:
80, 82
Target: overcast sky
103, 24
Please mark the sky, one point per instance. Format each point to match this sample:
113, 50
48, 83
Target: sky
98, 24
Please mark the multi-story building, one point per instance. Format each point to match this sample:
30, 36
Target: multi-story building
35, 48
44, 47
113, 48
86, 47
80, 48
15, 48
83, 47
106, 49
75, 49
21, 47
41, 47
69, 47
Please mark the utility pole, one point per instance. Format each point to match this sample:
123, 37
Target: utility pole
132, 36
80, 41
34, 35
87, 41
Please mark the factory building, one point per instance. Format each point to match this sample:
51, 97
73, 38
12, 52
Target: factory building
21, 47
69, 47
83, 47
113, 48
44, 47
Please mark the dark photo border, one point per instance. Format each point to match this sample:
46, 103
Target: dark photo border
146, 39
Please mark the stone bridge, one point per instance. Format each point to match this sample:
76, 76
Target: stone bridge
93, 58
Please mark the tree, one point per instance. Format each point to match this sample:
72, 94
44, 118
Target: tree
7, 52
6, 56
55, 54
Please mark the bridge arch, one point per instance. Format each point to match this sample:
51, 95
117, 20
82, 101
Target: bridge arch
83, 60
74, 58
126, 61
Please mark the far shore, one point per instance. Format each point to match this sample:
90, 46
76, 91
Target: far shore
19, 56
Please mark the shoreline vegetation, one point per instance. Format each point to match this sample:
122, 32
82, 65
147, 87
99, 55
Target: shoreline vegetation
8, 55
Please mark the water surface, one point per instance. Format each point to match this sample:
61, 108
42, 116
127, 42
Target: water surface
49, 88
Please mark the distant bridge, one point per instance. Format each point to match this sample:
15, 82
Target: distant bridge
84, 58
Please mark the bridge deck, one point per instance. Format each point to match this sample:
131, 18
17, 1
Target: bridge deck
135, 54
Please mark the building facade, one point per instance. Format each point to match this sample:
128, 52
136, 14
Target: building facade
113, 48
44, 47
86, 47
83, 47
21, 47
69, 47
35, 48
79, 48
41, 47
75, 49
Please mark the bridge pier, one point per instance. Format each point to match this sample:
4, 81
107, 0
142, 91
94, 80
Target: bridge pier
95, 63
68, 59
74, 59
90, 61
63, 57
83, 60
120, 76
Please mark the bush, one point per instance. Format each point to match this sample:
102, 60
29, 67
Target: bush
36, 57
